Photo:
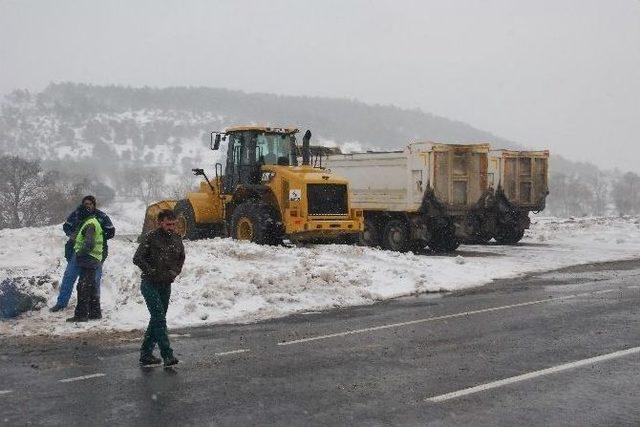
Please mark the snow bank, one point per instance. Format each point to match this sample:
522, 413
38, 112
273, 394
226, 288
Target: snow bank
227, 281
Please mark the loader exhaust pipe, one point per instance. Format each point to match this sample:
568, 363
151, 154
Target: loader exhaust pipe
306, 152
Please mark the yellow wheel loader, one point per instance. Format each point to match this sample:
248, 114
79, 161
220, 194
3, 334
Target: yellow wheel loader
264, 194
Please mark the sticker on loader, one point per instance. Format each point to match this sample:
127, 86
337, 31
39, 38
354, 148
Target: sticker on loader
295, 195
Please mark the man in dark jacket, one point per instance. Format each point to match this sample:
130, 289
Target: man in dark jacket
89, 252
160, 256
71, 227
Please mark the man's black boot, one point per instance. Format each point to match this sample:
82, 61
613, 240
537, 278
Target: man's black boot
77, 319
170, 361
149, 359
95, 315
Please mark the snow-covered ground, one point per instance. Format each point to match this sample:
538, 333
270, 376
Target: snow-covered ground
227, 281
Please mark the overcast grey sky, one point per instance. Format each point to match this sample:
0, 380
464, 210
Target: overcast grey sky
562, 74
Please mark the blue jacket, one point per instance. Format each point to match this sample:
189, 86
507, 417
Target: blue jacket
75, 220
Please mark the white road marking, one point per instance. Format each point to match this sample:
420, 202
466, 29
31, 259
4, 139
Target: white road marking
5, 392
226, 353
83, 377
411, 322
531, 375
433, 319
633, 287
604, 291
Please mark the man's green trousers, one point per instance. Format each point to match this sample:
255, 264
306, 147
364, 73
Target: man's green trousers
157, 299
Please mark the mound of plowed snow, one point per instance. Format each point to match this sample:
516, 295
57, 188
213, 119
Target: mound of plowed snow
228, 281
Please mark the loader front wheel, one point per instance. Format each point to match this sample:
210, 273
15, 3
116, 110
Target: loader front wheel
186, 227
254, 221
396, 236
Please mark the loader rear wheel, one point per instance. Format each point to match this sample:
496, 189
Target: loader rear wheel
396, 236
186, 227
255, 221
509, 235
370, 236
245, 229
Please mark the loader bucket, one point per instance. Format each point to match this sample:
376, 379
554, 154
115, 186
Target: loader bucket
151, 215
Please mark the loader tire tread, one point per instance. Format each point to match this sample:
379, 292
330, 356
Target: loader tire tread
262, 219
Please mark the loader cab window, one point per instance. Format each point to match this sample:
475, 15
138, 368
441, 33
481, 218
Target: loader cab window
275, 149
239, 150
240, 167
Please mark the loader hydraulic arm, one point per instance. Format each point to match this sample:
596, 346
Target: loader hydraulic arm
200, 172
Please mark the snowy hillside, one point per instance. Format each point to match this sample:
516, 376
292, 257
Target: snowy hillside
149, 116
227, 281
106, 141
109, 132
171, 139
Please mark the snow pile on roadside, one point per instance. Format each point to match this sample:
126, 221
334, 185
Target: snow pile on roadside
227, 281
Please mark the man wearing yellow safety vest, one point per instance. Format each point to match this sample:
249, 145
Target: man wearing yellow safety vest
89, 253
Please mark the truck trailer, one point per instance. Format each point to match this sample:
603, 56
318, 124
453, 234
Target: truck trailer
420, 196
519, 184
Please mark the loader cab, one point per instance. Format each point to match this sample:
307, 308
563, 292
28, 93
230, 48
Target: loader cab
249, 149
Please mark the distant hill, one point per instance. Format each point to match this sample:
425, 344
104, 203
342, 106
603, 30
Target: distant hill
100, 130
77, 120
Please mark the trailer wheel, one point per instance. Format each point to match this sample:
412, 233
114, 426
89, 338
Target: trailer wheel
444, 240
186, 228
253, 220
417, 246
480, 239
396, 236
509, 235
371, 234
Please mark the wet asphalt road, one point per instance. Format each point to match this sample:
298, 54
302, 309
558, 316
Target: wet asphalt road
372, 366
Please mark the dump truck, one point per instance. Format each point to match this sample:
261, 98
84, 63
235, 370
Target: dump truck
519, 184
420, 196
262, 194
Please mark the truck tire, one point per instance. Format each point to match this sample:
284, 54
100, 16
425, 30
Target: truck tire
396, 236
479, 239
187, 227
254, 220
444, 240
371, 234
417, 246
509, 235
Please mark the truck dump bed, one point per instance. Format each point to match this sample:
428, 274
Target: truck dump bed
397, 181
522, 175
